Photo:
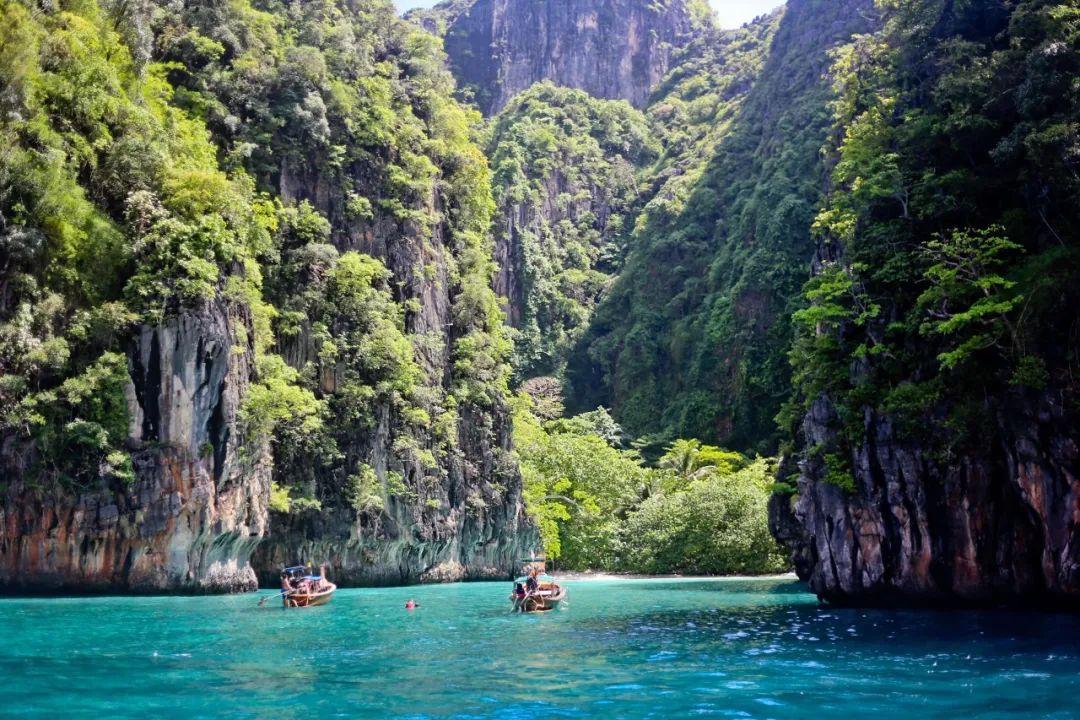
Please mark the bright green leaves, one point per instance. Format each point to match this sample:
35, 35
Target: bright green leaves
716, 525
103, 184
370, 344
80, 426
703, 510
277, 399
565, 171
364, 491
690, 459
575, 485
970, 302
837, 302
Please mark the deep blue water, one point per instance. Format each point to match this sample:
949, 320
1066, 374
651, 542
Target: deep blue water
620, 649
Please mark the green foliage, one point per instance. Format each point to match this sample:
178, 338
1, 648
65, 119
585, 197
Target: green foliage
279, 498
364, 490
691, 339
79, 427
969, 300
276, 400
689, 459
704, 510
716, 526
565, 172
838, 472
113, 211
949, 235
130, 193
575, 486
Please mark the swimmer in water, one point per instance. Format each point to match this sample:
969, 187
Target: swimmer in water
411, 605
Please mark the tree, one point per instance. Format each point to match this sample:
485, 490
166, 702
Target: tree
970, 302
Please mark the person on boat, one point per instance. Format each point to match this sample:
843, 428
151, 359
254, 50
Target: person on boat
532, 585
288, 588
323, 582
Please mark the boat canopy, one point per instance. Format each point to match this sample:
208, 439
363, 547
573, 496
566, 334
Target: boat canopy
302, 572
539, 578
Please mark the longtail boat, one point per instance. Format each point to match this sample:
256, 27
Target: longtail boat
310, 590
536, 591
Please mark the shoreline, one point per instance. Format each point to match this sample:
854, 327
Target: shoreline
69, 592
596, 575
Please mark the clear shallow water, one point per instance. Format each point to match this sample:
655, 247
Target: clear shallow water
621, 649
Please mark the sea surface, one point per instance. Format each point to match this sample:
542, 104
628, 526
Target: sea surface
730, 648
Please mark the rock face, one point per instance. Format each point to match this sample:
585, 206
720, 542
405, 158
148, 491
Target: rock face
472, 532
198, 506
613, 49
459, 515
561, 203
346, 117
929, 474
999, 527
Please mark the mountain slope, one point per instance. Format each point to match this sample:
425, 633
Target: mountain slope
566, 169
692, 339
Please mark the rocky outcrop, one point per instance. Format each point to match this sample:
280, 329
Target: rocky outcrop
1000, 526
934, 466
198, 505
613, 49
475, 528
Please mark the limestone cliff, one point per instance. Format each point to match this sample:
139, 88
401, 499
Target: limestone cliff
936, 456
613, 49
566, 168
995, 527
197, 506
245, 299
411, 476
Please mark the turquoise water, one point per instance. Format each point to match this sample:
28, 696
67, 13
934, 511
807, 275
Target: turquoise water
620, 649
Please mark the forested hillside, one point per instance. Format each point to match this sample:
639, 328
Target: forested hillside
247, 264
566, 179
692, 339
936, 362
709, 244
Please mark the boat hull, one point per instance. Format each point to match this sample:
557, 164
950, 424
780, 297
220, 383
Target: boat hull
539, 603
311, 599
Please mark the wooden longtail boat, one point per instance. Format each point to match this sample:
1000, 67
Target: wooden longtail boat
319, 590
544, 596
321, 597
